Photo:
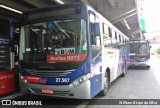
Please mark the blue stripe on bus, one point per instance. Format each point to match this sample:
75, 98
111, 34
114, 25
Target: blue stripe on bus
96, 79
96, 84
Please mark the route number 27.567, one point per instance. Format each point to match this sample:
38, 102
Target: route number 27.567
62, 79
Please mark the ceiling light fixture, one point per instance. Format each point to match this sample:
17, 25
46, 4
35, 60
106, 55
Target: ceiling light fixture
136, 32
59, 1
11, 9
126, 24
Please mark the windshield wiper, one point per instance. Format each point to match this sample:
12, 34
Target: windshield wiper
62, 30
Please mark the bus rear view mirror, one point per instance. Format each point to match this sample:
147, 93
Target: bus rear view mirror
150, 46
95, 29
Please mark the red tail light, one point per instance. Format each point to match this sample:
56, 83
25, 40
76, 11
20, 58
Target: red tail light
132, 60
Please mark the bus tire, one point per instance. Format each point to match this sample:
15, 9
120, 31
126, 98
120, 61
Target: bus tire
148, 67
124, 72
106, 85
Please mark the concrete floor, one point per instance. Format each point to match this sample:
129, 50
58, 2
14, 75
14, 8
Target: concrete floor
139, 83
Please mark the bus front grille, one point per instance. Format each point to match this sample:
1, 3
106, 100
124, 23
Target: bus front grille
47, 73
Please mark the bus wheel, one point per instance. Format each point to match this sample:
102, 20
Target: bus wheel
148, 67
106, 84
124, 72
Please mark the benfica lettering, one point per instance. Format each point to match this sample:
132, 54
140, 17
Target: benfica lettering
65, 58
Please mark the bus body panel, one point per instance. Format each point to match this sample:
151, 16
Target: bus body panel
113, 61
96, 75
96, 85
7, 72
127, 59
7, 82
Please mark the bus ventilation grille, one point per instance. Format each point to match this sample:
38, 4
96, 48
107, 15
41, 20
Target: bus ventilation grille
50, 73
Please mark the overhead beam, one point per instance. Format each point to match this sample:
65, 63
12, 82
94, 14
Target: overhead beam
4, 24
36, 3
89, 2
136, 31
3, 21
7, 18
111, 3
124, 16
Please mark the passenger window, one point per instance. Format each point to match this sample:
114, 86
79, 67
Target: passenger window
114, 40
117, 37
106, 37
110, 32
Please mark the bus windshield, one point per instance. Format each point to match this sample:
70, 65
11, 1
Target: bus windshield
139, 48
55, 41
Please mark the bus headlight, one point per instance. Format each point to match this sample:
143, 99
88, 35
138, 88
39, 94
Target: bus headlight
81, 80
24, 79
143, 60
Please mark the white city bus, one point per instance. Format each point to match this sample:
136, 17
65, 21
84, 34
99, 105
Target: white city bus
69, 50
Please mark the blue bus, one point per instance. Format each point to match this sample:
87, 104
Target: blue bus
69, 50
139, 53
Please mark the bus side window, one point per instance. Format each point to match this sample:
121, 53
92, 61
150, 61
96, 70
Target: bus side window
97, 35
117, 36
106, 37
114, 41
120, 38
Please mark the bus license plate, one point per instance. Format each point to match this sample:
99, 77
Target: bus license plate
47, 91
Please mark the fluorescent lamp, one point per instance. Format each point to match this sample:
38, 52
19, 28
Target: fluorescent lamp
136, 32
126, 24
59, 1
11, 9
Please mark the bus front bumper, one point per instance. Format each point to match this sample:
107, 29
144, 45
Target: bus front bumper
146, 63
67, 91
